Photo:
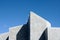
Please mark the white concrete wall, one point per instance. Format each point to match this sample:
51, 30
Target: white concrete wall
53, 33
13, 32
4, 36
37, 26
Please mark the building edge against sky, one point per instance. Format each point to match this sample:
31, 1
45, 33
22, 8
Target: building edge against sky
37, 26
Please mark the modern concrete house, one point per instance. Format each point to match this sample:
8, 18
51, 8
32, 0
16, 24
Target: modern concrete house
36, 28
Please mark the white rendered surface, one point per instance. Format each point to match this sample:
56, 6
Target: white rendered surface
53, 33
13, 32
4, 36
37, 26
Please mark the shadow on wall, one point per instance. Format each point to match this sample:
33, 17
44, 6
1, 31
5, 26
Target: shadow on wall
24, 33
44, 35
7, 38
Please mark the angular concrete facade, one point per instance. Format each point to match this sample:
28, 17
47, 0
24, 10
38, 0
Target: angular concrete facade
53, 33
13, 32
37, 28
4, 36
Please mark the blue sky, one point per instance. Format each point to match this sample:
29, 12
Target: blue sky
15, 12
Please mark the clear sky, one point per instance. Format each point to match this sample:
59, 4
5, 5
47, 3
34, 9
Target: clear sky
15, 12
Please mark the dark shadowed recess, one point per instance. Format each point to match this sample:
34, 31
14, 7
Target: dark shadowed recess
24, 33
44, 35
7, 38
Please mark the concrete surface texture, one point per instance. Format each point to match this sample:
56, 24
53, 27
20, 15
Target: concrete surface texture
53, 33
13, 32
37, 28
4, 36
